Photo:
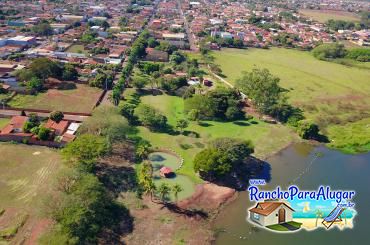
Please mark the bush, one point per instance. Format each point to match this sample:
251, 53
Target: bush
329, 51
150, 117
43, 133
308, 130
56, 116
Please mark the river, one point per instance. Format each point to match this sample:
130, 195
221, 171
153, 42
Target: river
299, 162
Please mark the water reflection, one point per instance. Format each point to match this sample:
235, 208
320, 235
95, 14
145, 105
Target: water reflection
332, 168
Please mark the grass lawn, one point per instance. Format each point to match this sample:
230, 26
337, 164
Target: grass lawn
3, 122
279, 227
266, 137
325, 15
81, 99
329, 93
77, 48
26, 173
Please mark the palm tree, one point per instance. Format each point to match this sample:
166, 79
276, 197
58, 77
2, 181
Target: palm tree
142, 151
319, 214
176, 189
164, 191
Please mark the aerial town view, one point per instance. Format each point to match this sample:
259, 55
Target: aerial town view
184, 122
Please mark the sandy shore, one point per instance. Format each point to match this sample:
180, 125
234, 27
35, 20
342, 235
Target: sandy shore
310, 224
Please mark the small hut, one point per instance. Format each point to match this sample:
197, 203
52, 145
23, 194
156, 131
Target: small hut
166, 172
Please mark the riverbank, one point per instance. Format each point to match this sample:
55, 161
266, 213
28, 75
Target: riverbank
296, 163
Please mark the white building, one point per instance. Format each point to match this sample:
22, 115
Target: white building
271, 213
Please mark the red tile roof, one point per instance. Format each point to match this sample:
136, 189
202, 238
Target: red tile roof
266, 208
59, 128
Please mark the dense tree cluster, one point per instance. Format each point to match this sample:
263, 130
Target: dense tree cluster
150, 117
43, 68
329, 51
223, 156
218, 104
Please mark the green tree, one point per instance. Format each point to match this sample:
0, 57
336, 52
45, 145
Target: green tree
212, 163
146, 178
164, 190
69, 72
182, 124
307, 129
177, 58
176, 189
35, 83
150, 117
44, 68
263, 88
139, 82
43, 133
85, 150
43, 29
329, 51
194, 115
56, 116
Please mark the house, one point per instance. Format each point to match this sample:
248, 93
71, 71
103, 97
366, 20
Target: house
57, 128
271, 213
166, 172
156, 55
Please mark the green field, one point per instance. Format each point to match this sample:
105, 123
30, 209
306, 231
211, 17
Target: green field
325, 15
81, 99
3, 122
77, 48
26, 174
329, 93
267, 138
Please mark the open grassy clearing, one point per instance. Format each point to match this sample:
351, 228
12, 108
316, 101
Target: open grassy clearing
3, 122
25, 174
325, 15
26, 177
77, 48
81, 99
329, 93
266, 137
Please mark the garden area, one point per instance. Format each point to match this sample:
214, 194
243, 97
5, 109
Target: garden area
267, 138
330, 94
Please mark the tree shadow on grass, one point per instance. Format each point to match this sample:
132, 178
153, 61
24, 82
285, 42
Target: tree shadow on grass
117, 179
120, 224
191, 213
322, 138
191, 133
241, 123
205, 124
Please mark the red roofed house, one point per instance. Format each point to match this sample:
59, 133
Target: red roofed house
271, 213
58, 128
166, 172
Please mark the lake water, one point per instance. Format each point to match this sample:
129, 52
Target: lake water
333, 168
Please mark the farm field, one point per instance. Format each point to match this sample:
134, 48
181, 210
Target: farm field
26, 177
325, 15
81, 99
267, 138
329, 93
